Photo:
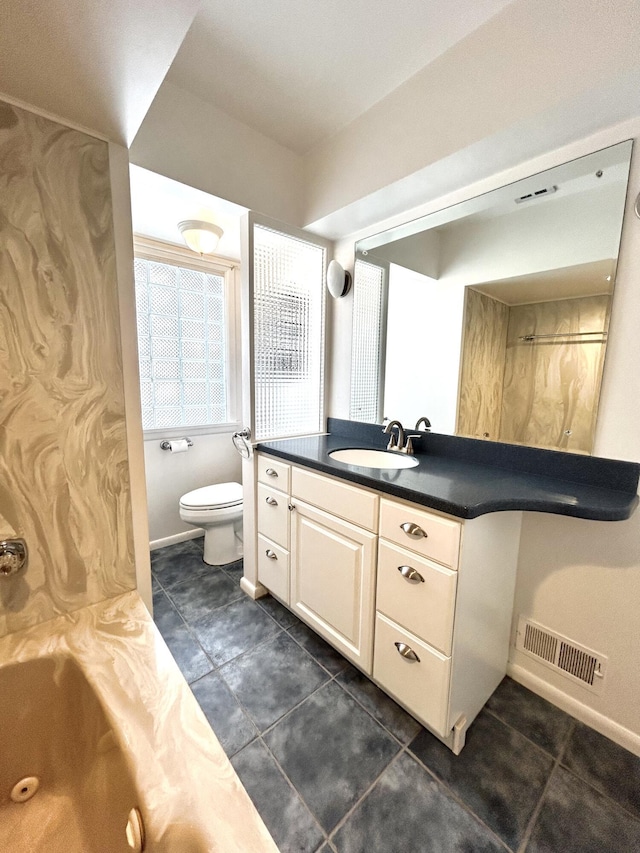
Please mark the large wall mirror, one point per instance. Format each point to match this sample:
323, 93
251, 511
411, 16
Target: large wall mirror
490, 317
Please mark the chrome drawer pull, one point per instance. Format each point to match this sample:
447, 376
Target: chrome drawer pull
271, 554
413, 530
271, 472
410, 574
407, 652
272, 501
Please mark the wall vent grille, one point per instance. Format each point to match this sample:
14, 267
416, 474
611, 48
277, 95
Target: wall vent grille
560, 653
536, 194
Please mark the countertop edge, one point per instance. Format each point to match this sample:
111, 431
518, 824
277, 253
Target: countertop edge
619, 509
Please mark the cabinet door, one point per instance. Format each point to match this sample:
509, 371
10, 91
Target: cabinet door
333, 580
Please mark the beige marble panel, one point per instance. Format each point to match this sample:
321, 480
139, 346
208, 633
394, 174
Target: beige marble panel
482, 367
188, 793
64, 481
552, 385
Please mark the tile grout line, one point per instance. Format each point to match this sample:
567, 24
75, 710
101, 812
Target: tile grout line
526, 838
325, 834
343, 820
458, 799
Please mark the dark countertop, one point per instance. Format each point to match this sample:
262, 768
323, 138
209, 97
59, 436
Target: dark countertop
461, 476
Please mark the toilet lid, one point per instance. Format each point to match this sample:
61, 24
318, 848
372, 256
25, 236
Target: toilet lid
212, 497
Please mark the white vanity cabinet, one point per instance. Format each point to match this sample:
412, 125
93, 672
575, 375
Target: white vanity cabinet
273, 526
333, 561
420, 601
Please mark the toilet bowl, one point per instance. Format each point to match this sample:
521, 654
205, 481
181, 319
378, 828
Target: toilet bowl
218, 510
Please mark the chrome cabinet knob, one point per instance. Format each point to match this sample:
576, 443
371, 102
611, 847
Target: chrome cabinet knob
271, 501
410, 574
271, 554
414, 531
271, 472
407, 652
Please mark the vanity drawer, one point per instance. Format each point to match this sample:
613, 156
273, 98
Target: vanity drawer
421, 597
274, 473
351, 503
436, 537
273, 515
273, 568
422, 684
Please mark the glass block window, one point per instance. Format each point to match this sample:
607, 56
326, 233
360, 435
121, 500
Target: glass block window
288, 316
182, 342
366, 347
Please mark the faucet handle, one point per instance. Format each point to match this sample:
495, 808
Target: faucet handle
408, 448
393, 442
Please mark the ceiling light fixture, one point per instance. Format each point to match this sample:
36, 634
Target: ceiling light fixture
200, 236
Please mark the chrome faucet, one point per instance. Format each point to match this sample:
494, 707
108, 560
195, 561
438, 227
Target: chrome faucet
427, 424
395, 444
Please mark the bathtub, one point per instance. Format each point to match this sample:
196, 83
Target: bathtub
100, 735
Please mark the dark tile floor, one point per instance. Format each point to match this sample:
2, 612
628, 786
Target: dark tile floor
333, 764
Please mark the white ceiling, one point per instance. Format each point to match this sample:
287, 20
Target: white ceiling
97, 64
300, 70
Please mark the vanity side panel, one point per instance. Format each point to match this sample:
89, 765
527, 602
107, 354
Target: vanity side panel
486, 585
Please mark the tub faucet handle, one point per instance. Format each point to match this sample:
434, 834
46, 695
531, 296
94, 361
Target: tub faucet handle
13, 556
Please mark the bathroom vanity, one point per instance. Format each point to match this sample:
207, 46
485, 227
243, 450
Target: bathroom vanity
410, 573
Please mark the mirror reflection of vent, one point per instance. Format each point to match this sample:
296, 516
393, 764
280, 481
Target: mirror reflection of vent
561, 654
537, 194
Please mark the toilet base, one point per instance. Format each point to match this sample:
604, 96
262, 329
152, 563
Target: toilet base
222, 545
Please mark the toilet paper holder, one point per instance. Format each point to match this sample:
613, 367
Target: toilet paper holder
165, 444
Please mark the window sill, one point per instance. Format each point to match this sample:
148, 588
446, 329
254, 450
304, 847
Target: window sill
186, 431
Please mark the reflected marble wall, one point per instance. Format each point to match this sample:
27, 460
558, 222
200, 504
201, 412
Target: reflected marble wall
482, 367
64, 478
552, 385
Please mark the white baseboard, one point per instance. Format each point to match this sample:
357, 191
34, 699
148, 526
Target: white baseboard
252, 590
607, 727
177, 537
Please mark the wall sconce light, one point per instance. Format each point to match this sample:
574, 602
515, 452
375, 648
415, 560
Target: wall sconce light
200, 236
338, 280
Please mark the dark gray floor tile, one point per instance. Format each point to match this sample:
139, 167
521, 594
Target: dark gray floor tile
272, 679
499, 774
197, 596
532, 715
325, 654
577, 819
605, 765
277, 611
234, 570
408, 810
287, 818
229, 631
176, 563
331, 750
186, 651
379, 705
232, 726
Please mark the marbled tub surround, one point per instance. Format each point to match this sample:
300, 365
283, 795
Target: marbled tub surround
168, 762
64, 476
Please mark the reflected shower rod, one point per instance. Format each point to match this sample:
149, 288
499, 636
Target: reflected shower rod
560, 335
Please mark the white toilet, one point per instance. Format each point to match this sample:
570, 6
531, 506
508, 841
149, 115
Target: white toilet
218, 510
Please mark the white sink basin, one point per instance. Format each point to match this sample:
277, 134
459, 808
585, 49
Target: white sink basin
373, 458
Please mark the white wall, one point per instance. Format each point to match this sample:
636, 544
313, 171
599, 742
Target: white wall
578, 577
212, 459
424, 331
189, 140
534, 77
